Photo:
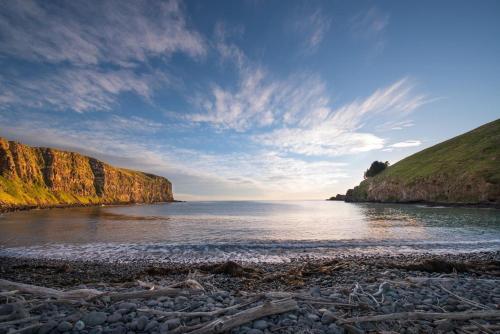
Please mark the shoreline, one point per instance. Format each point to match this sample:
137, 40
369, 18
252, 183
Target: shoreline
429, 204
83, 205
76, 205
321, 296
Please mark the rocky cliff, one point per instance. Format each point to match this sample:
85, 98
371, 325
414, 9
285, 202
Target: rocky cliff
462, 170
45, 177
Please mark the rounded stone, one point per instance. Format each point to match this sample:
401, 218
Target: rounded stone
173, 323
260, 324
64, 326
94, 318
79, 325
142, 322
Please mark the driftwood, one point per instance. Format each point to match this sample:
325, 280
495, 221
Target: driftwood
424, 280
189, 283
308, 298
18, 321
87, 294
228, 322
49, 292
465, 300
29, 328
484, 326
117, 296
488, 314
8, 293
200, 314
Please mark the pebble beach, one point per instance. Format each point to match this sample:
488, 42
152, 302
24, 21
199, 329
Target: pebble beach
423, 293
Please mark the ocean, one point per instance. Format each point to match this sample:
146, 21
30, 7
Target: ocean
246, 231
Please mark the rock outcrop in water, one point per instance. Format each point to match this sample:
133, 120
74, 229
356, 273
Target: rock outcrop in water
462, 170
46, 177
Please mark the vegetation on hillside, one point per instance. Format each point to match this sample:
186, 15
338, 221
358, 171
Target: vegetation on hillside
375, 168
465, 168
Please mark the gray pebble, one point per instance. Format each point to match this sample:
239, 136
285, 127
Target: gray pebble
47, 327
260, 324
255, 331
173, 323
151, 325
96, 330
94, 318
164, 328
128, 306
115, 317
64, 326
142, 322
79, 325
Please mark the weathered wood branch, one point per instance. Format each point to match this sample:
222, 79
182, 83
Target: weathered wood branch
144, 294
49, 292
18, 321
228, 322
200, 314
488, 314
423, 280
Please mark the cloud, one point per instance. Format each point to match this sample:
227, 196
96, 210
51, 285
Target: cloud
407, 143
395, 125
258, 100
82, 33
127, 142
313, 28
77, 89
370, 26
334, 132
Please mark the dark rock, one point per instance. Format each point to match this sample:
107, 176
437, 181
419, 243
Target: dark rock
64, 326
94, 318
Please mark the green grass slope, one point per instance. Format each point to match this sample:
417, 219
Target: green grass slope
464, 169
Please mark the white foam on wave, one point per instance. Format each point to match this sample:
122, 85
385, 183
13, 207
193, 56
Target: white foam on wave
257, 251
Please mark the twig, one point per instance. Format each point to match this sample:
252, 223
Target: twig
200, 314
18, 321
465, 300
481, 327
27, 328
487, 314
228, 322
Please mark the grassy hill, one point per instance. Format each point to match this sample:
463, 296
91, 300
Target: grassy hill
461, 170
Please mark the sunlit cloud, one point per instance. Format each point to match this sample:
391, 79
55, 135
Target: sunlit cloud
119, 32
334, 132
77, 89
313, 28
407, 143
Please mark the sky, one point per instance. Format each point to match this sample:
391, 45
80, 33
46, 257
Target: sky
248, 99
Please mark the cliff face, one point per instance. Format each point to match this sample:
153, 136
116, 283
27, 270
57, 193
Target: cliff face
42, 177
462, 170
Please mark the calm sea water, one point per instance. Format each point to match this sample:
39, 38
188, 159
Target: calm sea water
268, 231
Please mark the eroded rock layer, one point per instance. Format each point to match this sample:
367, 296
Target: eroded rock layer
44, 177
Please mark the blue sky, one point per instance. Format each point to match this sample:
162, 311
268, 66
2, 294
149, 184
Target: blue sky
248, 99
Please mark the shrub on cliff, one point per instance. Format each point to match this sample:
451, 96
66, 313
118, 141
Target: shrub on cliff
375, 168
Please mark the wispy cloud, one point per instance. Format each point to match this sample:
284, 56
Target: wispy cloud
370, 26
86, 55
83, 33
407, 143
395, 125
313, 27
77, 89
126, 142
334, 132
258, 100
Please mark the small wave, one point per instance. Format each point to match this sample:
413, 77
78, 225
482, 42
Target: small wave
256, 251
